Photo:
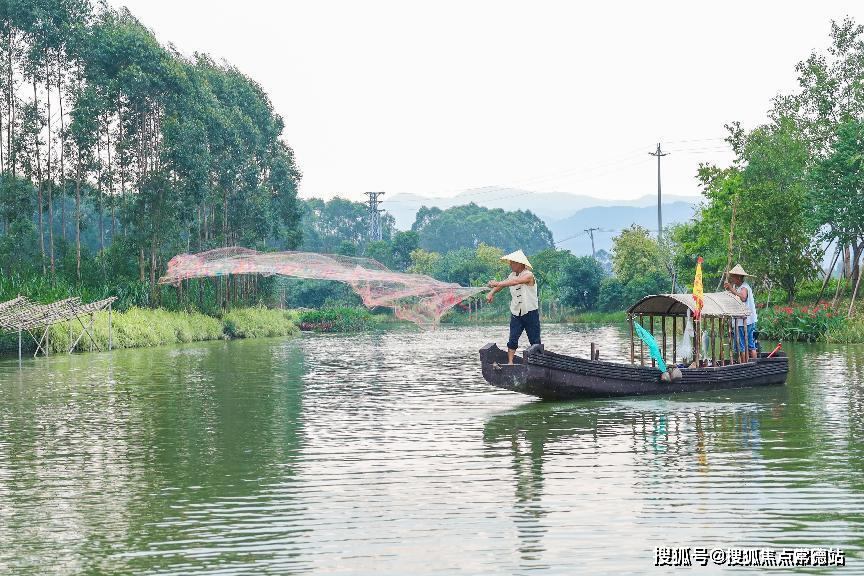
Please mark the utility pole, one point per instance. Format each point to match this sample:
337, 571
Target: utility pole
590, 232
374, 215
659, 155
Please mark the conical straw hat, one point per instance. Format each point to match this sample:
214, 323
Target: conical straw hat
739, 271
517, 256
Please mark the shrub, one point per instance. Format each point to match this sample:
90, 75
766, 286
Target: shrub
258, 323
803, 324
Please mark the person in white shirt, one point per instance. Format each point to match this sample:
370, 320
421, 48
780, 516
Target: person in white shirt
746, 335
524, 304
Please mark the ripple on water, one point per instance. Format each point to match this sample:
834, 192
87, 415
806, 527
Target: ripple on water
386, 452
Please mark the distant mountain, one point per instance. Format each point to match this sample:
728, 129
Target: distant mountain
570, 232
549, 206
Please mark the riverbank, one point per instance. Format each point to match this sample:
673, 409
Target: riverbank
145, 327
569, 317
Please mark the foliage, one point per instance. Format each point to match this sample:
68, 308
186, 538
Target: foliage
470, 225
580, 282
135, 328
123, 153
258, 323
423, 261
299, 293
548, 265
804, 324
339, 226
471, 267
341, 319
635, 254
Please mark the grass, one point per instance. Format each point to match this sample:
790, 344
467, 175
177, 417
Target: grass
259, 323
145, 327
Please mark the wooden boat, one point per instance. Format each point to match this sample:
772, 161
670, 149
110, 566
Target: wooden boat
561, 377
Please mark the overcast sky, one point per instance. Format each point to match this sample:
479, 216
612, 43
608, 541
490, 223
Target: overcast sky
437, 97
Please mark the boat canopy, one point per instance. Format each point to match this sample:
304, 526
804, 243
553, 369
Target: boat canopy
715, 304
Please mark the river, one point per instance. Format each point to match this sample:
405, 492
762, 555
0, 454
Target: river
387, 453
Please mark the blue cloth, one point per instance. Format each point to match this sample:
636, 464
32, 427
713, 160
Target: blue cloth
751, 337
528, 322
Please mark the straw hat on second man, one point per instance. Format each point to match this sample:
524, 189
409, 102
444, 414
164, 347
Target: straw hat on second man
517, 256
739, 271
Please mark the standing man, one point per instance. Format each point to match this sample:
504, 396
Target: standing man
524, 313
742, 290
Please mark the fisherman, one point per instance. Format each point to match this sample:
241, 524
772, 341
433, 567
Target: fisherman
742, 290
524, 313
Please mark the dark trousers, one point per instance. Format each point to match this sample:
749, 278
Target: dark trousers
528, 322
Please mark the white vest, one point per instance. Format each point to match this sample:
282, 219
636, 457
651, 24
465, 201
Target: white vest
750, 303
523, 297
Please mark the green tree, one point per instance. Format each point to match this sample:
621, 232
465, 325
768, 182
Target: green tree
470, 225
423, 262
580, 282
635, 254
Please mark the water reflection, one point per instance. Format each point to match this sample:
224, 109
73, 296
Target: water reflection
387, 453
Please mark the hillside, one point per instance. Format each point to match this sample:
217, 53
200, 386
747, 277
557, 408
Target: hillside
610, 220
549, 206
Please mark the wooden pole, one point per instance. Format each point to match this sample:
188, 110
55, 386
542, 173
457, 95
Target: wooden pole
663, 331
735, 343
713, 348
674, 339
746, 341
632, 347
722, 335
19, 344
641, 344
697, 341
651, 325
110, 335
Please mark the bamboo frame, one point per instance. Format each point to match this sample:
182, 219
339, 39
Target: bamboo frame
23, 315
722, 337
651, 328
713, 345
663, 331
674, 339
632, 344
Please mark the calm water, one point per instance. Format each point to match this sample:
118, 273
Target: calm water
387, 453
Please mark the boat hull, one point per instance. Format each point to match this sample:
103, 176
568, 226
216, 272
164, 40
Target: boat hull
558, 377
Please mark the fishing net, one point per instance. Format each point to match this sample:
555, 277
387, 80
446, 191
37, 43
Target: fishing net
415, 297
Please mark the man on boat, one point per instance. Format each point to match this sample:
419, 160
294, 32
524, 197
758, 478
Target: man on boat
524, 313
742, 290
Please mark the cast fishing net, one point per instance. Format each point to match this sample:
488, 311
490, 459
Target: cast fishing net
415, 297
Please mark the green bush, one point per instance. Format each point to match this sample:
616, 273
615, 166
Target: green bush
803, 324
258, 323
136, 328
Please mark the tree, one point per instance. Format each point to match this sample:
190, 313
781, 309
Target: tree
423, 261
548, 265
837, 194
635, 254
778, 243
402, 245
326, 225
580, 282
471, 225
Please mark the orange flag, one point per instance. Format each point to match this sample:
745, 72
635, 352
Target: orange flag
697, 289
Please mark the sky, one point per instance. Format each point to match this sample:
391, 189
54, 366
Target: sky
434, 98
